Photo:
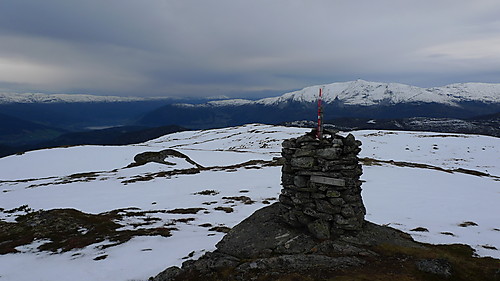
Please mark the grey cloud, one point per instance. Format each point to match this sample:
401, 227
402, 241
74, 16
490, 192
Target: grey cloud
194, 48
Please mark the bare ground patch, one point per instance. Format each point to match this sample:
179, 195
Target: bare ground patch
223, 229
185, 211
467, 224
225, 209
210, 192
243, 199
376, 162
252, 164
68, 229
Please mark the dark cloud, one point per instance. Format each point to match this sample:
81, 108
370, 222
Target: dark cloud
234, 47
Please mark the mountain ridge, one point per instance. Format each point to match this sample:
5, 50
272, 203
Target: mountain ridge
8, 98
367, 93
354, 99
356, 92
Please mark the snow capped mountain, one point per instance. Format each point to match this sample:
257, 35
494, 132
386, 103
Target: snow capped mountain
230, 102
355, 99
217, 103
210, 180
482, 92
353, 93
6, 98
366, 93
357, 92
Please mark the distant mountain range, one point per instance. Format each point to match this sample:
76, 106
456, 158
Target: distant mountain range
40, 120
355, 99
364, 93
8, 98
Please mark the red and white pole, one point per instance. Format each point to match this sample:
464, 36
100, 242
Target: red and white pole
319, 129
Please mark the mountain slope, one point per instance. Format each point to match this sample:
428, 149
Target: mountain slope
357, 99
488, 125
366, 93
17, 132
78, 116
111, 136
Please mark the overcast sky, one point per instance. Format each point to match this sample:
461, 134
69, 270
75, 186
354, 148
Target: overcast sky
242, 48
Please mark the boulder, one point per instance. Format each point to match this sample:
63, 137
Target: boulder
263, 244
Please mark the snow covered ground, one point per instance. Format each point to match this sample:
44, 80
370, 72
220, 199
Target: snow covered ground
434, 181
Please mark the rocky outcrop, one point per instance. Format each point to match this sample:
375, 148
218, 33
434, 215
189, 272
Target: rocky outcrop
160, 157
264, 245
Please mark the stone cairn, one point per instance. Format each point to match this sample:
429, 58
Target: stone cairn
321, 186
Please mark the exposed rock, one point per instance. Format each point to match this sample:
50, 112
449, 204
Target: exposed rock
263, 242
210, 261
440, 267
298, 263
300, 181
330, 153
160, 157
261, 234
168, 274
263, 247
303, 162
320, 229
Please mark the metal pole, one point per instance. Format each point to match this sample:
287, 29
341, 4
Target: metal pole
319, 129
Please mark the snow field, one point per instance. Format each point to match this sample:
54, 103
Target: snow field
403, 197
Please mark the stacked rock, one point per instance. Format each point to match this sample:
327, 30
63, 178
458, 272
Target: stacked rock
321, 186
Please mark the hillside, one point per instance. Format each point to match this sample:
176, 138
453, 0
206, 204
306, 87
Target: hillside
78, 116
111, 136
171, 199
18, 132
488, 125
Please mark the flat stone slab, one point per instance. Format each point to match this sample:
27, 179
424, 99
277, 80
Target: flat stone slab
327, 180
263, 234
299, 262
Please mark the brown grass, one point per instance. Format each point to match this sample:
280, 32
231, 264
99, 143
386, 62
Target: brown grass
252, 164
185, 211
68, 229
225, 209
